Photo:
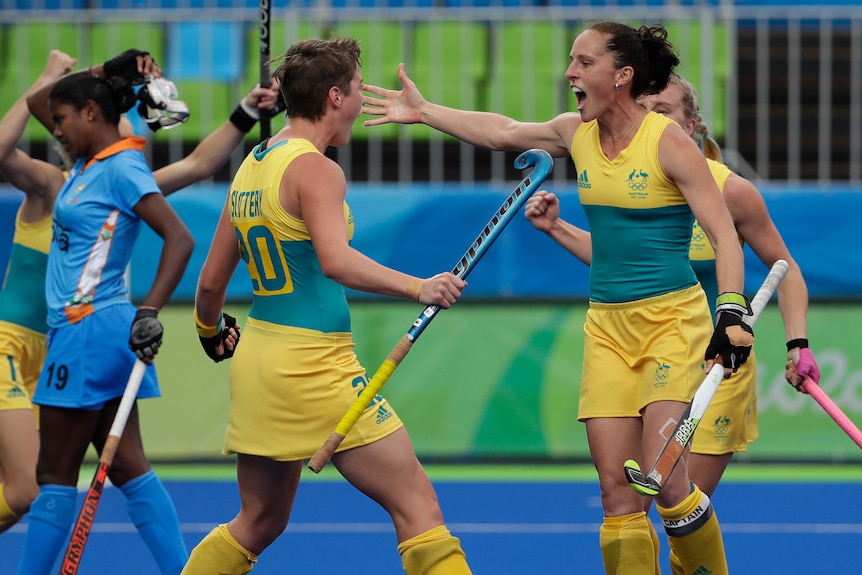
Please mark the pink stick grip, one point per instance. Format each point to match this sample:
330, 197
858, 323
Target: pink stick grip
833, 410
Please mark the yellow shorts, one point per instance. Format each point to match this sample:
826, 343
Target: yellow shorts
22, 353
640, 352
730, 422
290, 387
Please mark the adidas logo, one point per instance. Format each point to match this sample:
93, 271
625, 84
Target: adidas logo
584, 181
383, 414
702, 570
16, 391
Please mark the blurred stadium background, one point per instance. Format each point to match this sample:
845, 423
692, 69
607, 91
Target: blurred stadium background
496, 378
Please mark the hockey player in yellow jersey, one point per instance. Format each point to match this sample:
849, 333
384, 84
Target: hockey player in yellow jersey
647, 332
294, 373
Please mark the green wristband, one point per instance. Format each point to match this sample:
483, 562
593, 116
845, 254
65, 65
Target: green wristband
733, 302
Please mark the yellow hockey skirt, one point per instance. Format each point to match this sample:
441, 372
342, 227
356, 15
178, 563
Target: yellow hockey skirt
289, 389
640, 352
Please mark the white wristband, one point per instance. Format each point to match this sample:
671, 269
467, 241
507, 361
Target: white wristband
253, 112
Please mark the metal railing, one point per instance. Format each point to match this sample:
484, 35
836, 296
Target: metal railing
781, 86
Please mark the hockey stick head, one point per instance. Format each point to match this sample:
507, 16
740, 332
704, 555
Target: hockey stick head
641, 483
542, 161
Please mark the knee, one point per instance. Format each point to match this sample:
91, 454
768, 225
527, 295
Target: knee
257, 530
618, 497
21, 493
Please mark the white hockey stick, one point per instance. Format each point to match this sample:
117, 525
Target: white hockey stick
653, 482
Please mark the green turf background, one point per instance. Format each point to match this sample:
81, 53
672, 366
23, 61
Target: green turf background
500, 382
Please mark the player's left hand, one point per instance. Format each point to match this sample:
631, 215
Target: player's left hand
222, 345
134, 65
267, 102
801, 364
146, 334
543, 210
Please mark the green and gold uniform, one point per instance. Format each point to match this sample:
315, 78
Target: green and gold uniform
649, 320
295, 374
730, 422
24, 314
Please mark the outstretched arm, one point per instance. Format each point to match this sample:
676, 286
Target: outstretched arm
39, 180
543, 211
214, 150
484, 129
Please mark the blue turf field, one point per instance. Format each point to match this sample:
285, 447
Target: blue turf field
506, 527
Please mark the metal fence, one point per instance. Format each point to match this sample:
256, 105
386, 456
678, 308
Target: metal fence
781, 86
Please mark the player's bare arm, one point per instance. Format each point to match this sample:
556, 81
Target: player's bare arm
39, 180
214, 150
321, 191
484, 129
176, 250
684, 163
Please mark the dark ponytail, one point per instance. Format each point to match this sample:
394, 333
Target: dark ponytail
113, 96
646, 50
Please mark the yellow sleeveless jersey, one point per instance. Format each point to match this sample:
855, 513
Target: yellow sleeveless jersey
640, 222
288, 286
22, 300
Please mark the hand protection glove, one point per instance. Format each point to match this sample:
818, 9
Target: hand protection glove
807, 365
125, 65
220, 332
146, 334
732, 338
803, 366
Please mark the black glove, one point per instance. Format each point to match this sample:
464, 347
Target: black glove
210, 343
732, 340
146, 335
125, 65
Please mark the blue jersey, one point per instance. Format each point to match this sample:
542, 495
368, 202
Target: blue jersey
95, 229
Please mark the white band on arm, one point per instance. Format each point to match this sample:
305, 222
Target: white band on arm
253, 112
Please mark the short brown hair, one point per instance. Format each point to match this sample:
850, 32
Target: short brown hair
310, 68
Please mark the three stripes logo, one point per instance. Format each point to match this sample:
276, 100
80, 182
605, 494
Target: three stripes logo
584, 181
383, 414
702, 570
16, 391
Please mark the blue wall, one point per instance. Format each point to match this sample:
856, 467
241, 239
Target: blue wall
424, 229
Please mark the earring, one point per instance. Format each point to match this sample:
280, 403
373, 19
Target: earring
616, 86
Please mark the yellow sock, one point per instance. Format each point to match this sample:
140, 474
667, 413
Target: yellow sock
627, 546
6, 513
656, 545
219, 554
694, 535
675, 565
434, 552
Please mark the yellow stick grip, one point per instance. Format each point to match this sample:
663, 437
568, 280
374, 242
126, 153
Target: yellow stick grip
329, 447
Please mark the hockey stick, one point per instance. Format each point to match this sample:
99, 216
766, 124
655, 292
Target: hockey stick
670, 454
829, 406
504, 214
265, 74
81, 531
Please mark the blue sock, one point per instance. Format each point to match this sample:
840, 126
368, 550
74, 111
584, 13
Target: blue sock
51, 517
153, 513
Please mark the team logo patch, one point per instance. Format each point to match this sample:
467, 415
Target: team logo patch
660, 375
719, 427
16, 391
637, 183
383, 414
